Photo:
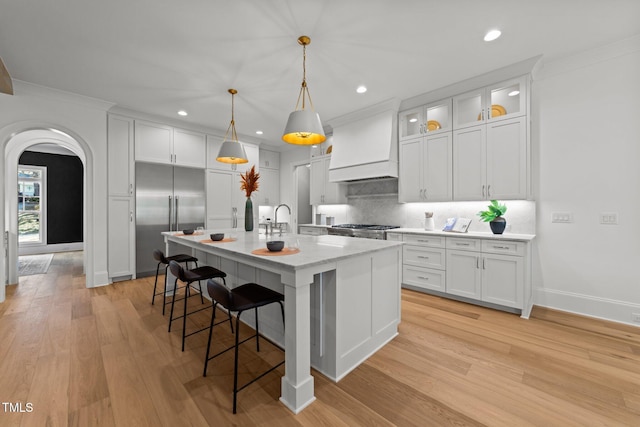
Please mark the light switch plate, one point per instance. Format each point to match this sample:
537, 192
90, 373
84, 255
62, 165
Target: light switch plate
562, 217
609, 218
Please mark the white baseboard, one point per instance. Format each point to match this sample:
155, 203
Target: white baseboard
586, 305
48, 249
100, 278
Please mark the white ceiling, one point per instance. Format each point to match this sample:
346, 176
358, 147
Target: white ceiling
159, 56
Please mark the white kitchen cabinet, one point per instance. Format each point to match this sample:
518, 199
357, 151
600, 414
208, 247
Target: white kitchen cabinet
428, 119
158, 143
487, 270
503, 279
500, 101
490, 161
154, 142
269, 159
213, 148
225, 201
425, 174
253, 155
464, 274
268, 193
424, 262
121, 172
121, 201
121, 238
323, 192
189, 148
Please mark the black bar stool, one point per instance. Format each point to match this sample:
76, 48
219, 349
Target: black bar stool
159, 256
245, 297
188, 277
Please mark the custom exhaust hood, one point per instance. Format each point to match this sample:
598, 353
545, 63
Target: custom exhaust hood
365, 144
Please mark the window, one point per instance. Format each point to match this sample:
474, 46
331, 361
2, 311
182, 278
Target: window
31, 204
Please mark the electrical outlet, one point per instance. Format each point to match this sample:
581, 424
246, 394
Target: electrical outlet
609, 218
562, 217
635, 317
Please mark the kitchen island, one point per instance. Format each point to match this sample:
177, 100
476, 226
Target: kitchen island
342, 298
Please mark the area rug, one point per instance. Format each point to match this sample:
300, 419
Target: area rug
34, 264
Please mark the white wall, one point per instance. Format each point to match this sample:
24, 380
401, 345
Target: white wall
35, 106
587, 150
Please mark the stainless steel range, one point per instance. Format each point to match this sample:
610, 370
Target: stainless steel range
367, 231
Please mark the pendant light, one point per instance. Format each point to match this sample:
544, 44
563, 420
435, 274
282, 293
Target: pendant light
303, 126
231, 150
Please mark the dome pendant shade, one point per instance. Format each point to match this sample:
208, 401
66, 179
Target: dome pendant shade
232, 152
304, 128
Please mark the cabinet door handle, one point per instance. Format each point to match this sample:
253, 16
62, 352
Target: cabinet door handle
177, 210
423, 241
462, 244
423, 278
130, 216
170, 214
423, 257
425, 194
501, 247
483, 191
131, 188
489, 190
477, 262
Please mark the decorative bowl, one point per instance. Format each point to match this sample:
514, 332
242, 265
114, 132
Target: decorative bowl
188, 231
216, 236
275, 245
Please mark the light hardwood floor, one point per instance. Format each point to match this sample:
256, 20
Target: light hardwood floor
103, 357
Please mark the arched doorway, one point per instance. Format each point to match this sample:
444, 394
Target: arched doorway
18, 138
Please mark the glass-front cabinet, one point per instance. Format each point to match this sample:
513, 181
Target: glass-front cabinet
428, 119
492, 103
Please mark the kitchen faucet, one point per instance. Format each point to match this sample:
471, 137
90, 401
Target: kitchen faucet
276, 214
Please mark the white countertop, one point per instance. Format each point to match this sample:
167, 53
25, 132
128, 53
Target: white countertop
315, 225
314, 250
471, 234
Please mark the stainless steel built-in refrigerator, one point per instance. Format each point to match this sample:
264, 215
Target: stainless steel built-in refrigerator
168, 198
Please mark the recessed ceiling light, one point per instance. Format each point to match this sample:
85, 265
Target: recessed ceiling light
413, 120
259, 132
182, 113
514, 92
492, 35
361, 89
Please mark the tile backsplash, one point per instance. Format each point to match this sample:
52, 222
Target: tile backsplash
376, 202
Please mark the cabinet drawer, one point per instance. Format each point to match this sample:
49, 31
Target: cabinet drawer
395, 237
312, 231
425, 240
503, 247
463, 244
423, 277
424, 257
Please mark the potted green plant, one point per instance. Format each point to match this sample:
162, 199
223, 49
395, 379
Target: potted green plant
493, 216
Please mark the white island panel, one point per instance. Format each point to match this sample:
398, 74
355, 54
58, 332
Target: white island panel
342, 298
